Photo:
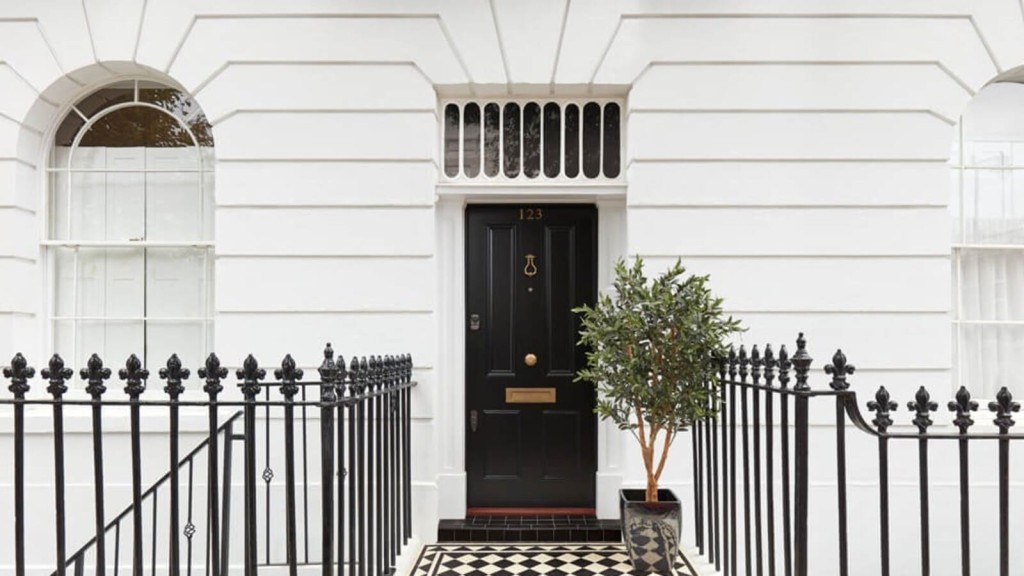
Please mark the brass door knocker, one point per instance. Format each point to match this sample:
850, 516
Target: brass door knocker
531, 266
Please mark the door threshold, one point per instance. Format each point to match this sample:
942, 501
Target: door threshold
529, 511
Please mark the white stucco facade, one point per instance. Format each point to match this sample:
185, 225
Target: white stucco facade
795, 150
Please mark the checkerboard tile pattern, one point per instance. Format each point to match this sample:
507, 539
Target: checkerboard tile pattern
529, 560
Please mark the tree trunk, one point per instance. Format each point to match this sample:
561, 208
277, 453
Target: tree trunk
652, 489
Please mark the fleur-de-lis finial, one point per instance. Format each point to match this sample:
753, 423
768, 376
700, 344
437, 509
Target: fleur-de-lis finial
250, 374
801, 363
95, 374
19, 373
328, 371
720, 358
133, 374
769, 365
882, 406
57, 374
174, 374
355, 377
922, 406
213, 373
288, 374
963, 406
784, 366
839, 370
408, 368
1004, 407
755, 364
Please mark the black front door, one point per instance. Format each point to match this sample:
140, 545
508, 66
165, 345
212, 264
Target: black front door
531, 431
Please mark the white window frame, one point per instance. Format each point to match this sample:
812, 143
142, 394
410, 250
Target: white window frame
50, 244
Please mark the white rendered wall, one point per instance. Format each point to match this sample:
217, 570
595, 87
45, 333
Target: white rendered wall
794, 149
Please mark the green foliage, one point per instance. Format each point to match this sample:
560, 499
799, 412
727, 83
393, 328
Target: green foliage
652, 348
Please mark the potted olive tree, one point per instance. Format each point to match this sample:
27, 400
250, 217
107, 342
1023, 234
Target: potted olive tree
651, 346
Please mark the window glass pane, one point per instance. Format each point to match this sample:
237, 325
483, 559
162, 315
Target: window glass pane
991, 282
186, 339
531, 140
137, 126
100, 100
471, 140
175, 282
611, 140
993, 206
174, 101
113, 340
511, 137
592, 140
110, 282
572, 140
67, 131
552, 140
492, 139
174, 201
451, 140
990, 355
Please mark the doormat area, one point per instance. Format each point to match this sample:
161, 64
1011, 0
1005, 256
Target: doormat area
529, 560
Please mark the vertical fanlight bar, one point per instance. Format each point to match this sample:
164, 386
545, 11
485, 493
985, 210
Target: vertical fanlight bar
531, 140
552, 140
572, 141
451, 140
592, 140
492, 140
511, 139
611, 140
471, 140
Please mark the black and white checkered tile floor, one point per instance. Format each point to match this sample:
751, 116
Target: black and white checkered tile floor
517, 559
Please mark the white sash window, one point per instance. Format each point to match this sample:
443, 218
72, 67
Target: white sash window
130, 240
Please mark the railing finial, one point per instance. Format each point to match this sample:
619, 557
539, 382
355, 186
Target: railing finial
922, 406
134, 376
769, 365
744, 363
250, 375
328, 371
288, 374
1004, 407
784, 366
839, 370
174, 374
963, 406
755, 364
95, 374
57, 374
882, 406
213, 373
19, 373
733, 362
801, 363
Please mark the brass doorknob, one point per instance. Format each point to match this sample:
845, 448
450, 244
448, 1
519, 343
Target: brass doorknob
530, 360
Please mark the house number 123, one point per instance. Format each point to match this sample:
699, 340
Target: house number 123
531, 214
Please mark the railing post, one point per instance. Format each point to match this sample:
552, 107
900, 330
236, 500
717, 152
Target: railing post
57, 374
134, 376
755, 375
722, 553
353, 466
95, 375
339, 382
213, 373
923, 406
882, 406
328, 398
731, 567
250, 375
963, 406
769, 450
378, 426
288, 374
407, 450
787, 523
174, 375
19, 373
801, 366
1004, 407
839, 370
745, 418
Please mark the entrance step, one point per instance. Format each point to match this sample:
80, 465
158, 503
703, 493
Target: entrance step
529, 528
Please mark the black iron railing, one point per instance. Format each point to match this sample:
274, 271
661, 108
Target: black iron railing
361, 417
752, 515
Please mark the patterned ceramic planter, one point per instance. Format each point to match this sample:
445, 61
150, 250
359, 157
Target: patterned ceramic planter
651, 529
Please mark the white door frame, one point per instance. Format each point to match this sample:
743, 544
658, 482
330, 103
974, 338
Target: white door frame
451, 293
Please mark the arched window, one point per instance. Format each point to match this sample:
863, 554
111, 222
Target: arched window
130, 232
988, 240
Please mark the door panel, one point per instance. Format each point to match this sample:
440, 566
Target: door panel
527, 267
